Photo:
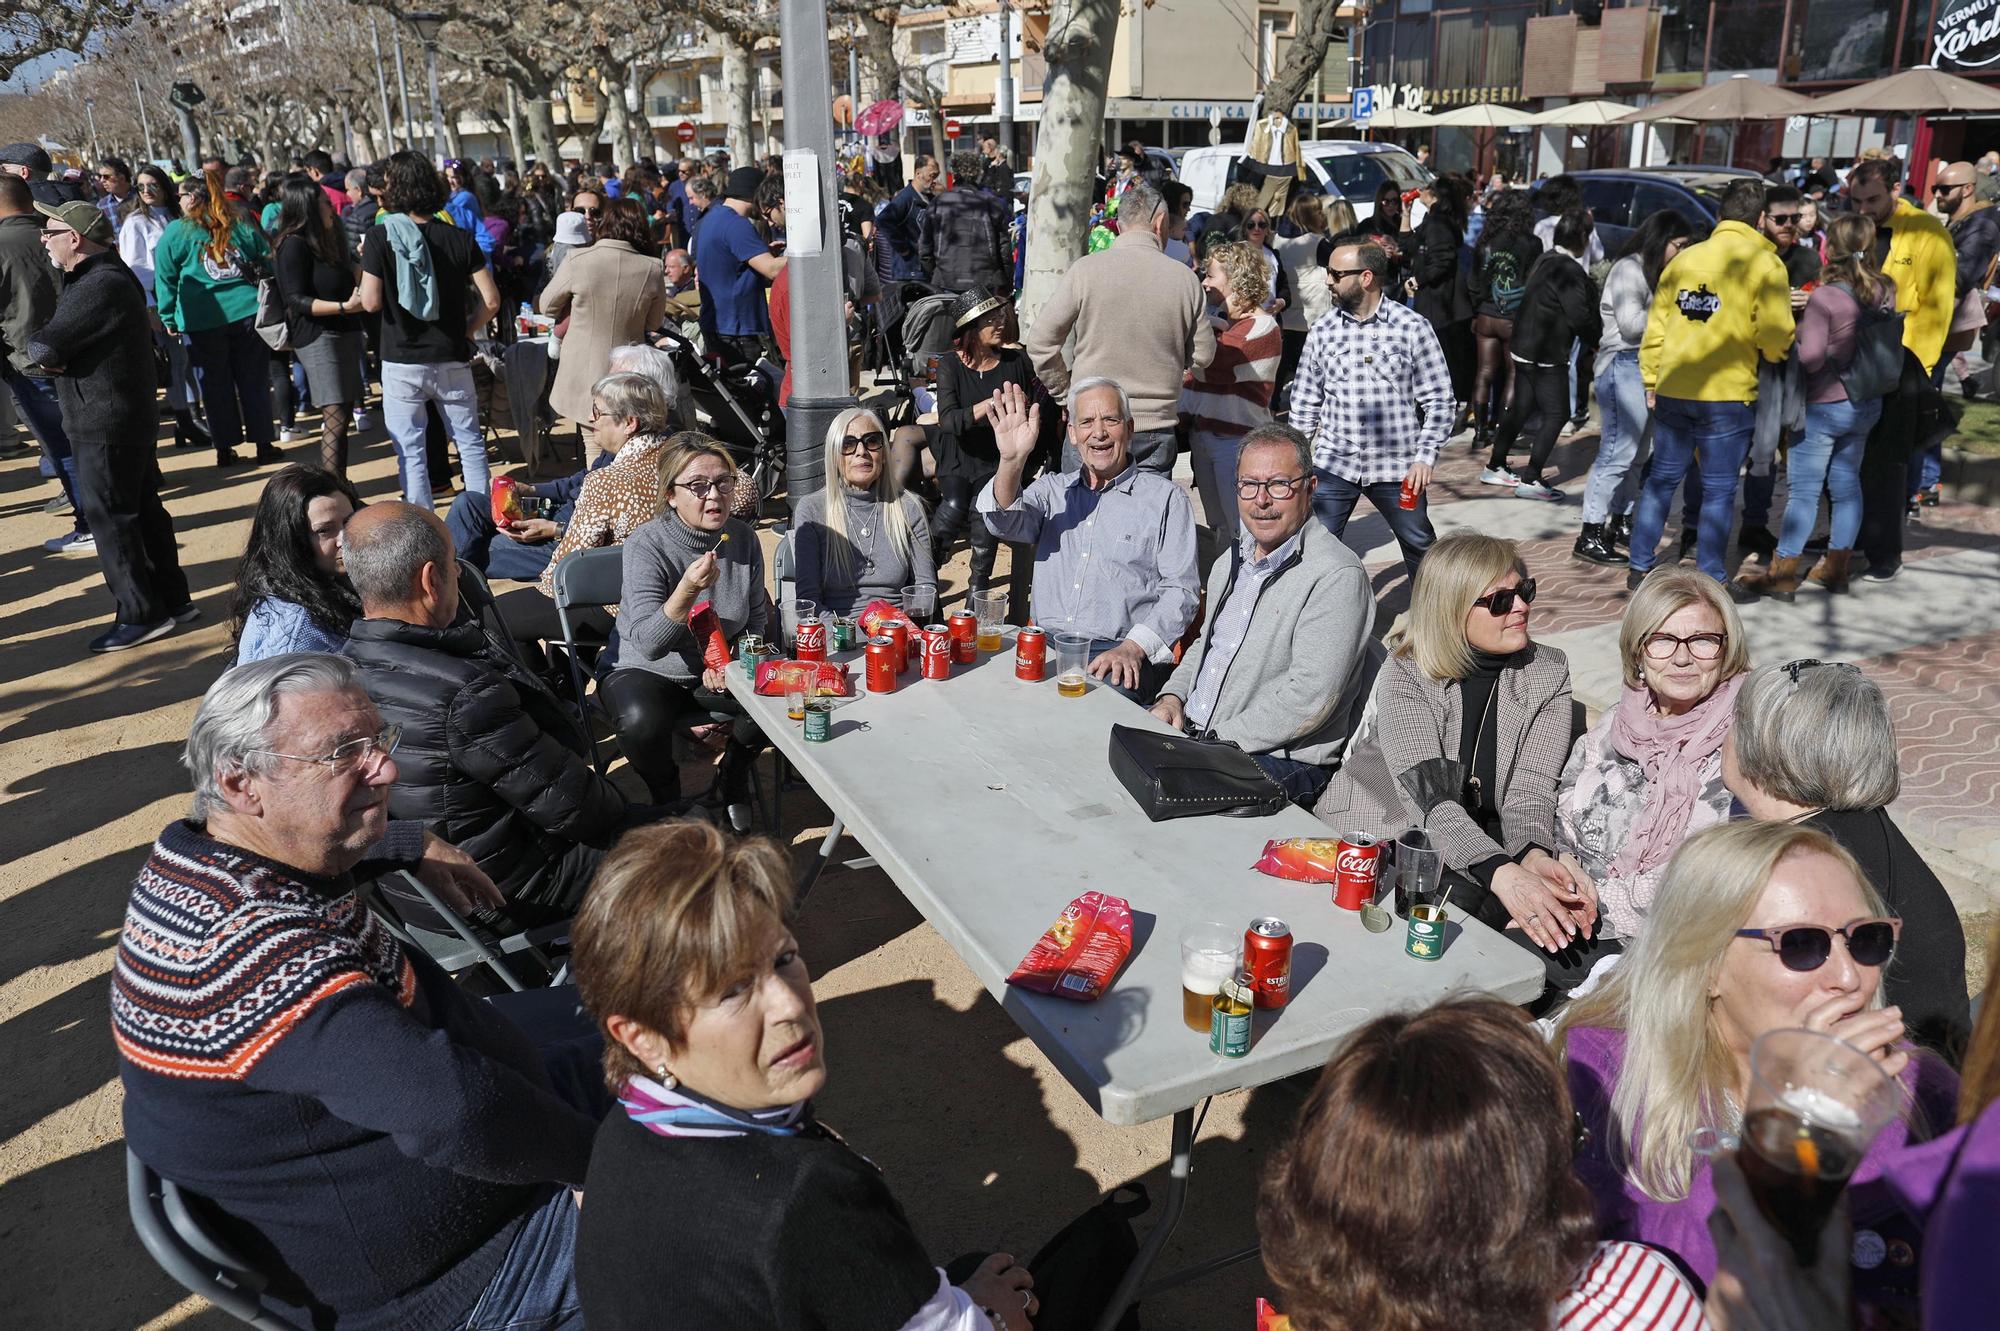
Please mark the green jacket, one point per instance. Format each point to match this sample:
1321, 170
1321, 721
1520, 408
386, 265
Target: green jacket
196, 293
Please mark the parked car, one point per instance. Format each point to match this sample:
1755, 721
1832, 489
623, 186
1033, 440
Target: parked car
1620, 199
1341, 168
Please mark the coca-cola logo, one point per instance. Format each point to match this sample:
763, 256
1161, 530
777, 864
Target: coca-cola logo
1968, 35
1353, 861
812, 635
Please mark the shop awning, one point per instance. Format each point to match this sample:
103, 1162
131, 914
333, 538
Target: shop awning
1592, 113
1485, 115
1738, 97
1397, 118
1922, 91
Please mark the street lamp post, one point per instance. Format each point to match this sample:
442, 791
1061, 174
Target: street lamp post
428, 25
145, 122
1003, 90
90, 114
382, 87
346, 123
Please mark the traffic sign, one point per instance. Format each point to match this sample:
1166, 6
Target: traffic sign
952, 129
1364, 105
685, 131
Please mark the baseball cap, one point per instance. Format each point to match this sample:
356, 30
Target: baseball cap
29, 155
84, 218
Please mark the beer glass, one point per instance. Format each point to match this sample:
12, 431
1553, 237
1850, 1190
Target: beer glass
920, 604
1210, 954
1072, 661
795, 704
990, 608
1419, 868
1815, 1104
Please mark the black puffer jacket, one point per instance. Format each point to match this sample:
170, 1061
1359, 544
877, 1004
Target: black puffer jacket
1558, 308
964, 242
489, 759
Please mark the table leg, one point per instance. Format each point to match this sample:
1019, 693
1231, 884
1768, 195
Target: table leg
821, 860
1163, 1228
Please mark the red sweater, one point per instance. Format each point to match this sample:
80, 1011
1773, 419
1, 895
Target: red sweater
1231, 395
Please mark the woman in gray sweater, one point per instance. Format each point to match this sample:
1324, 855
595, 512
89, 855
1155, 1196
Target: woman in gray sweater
693, 553
876, 540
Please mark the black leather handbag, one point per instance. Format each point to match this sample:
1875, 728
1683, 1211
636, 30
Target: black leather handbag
1175, 776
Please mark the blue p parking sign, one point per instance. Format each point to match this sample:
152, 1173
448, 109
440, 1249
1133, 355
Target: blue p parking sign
1364, 104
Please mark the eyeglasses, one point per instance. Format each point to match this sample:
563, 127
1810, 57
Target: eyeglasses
109, 175
149, 185
1799, 667
874, 442
1501, 602
591, 212
1701, 646
1783, 219
370, 749
1806, 947
1335, 274
1278, 487
702, 489
1256, 226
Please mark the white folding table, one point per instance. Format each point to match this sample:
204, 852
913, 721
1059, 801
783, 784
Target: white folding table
990, 803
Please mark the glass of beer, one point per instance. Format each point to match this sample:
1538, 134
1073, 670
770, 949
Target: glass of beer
1815, 1104
920, 604
1072, 662
795, 704
1210, 954
990, 608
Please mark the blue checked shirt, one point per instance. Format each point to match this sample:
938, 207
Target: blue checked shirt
1373, 394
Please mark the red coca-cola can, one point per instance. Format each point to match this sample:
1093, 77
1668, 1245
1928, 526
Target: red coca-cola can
937, 651
1406, 497
1267, 955
810, 642
898, 632
1031, 654
884, 664
1356, 867
964, 636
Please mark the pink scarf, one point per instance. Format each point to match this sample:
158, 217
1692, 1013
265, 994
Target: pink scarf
1671, 750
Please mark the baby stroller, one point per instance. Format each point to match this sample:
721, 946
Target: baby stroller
739, 407
926, 331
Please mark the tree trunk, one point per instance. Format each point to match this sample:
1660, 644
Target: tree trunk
1078, 51
737, 96
639, 125
1315, 30
611, 96
454, 144
878, 58
542, 128
514, 142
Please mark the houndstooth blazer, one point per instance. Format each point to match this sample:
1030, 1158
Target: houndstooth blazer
1412, 717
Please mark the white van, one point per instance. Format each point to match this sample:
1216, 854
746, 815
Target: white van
1343, 168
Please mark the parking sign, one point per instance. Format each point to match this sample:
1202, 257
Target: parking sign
1364, 105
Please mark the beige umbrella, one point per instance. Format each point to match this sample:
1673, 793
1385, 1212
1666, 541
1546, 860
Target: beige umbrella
1738, 97
1394, 118
1485, 115
1582, 115
1922, 91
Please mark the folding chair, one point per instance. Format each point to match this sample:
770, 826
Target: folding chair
170, 1224
587, 578
421, 919
475, 594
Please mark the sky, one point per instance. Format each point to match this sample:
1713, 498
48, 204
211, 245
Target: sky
29, 75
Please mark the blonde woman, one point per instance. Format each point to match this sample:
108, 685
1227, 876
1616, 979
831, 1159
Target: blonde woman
860, 537
1758, 926
1305, 271
1465, 684
1649, 774
1231, 395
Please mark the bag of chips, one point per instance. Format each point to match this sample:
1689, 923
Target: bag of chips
706, 626
1301, 859
875, 617
817, 679
506, 503
1081, 952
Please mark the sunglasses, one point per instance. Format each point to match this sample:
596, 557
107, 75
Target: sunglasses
1783, 219
1806, 947
591, 212
874, 442
1256, 226
1502, 602
1799, 667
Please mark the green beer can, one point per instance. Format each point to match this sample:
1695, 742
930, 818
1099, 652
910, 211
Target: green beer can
1425, 940
1229, 1018
819, 720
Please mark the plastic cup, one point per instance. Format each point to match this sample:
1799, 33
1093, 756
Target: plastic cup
920, 604
1210, 954
795, 704
1419, 869
1072, 664
990, 609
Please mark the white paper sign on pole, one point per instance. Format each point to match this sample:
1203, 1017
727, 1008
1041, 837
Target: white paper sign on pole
802, 220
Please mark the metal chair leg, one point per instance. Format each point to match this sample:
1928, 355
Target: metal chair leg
821, 860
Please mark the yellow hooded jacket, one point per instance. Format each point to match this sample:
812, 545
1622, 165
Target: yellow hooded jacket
1923, 264
1720, 305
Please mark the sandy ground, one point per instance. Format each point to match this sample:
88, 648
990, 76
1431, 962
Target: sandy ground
982, 1141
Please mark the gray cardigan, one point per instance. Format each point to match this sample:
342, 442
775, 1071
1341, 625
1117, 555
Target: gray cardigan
876, 568
655, 557
1295, 684
1413, 718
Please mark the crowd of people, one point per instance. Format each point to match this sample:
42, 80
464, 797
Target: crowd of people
1710, 861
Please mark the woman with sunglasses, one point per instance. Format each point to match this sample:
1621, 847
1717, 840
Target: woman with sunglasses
1812, 743
873, 540
1758, 926
1649, 773
142, 220
1466, 735
694, 553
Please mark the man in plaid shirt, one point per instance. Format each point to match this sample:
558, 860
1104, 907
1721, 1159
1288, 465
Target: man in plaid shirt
1374, 396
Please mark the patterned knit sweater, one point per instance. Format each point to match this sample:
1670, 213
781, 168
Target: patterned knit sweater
362, 1125
1231, 396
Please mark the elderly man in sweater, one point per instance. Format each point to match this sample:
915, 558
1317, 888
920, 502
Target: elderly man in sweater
1140, 319
1281, 670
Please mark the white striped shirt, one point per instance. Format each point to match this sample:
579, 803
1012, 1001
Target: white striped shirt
1629, 1287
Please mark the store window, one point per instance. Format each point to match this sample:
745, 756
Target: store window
1413, 55
1746, 36
1917, 32
1844, 39
1683, 35
1506, 33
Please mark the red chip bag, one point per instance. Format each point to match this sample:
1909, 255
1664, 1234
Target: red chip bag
818, 679
876, 616
506, 503
1301, 859
707, 626
1081, 952
1270, 1319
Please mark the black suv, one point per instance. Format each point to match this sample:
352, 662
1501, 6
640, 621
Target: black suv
1621, 199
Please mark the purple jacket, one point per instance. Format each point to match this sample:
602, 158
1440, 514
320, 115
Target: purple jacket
1952, 1185
1592, 1062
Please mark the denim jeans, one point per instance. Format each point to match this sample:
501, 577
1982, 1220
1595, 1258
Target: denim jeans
535, 1287
233, 367
405, 390
1829, 455
1721, 432
1626, 430
1215, 479
1303, 782
1334, 502
479, 543
36, 398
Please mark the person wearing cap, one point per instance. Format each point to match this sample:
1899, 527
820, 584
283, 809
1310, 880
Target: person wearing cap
30, 163
733, 263
99, 345
978, 365
27, 299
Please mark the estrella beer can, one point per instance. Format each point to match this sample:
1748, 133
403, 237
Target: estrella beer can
1357, 867
810, 642
1267, 956
964, 636
1406, 497
937, 651
1031, 655
884, 664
